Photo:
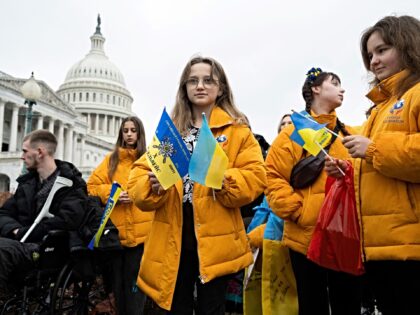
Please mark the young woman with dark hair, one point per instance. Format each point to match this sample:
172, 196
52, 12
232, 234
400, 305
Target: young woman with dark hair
132, 223
319, 289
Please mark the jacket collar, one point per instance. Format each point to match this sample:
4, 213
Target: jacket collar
329, 119
127, 154
219, 118
387, 87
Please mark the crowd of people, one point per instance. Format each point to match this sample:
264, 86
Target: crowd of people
181, 246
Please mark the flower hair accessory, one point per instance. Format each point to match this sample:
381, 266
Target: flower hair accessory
312, 74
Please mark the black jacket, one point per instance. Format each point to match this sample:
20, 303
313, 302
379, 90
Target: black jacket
68, 206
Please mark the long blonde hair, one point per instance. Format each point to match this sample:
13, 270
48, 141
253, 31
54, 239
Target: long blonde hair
182, 112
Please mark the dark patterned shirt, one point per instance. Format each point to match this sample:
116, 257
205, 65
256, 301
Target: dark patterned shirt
190, 140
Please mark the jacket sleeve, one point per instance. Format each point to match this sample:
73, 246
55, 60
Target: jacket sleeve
8, 221
98, 183
246, 179
69, 215
397, 154
281, 158
140, 190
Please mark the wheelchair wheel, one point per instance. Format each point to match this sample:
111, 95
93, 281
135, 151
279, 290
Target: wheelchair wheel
71, 293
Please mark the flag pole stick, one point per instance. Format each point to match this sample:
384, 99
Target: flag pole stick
331, 159
310, 119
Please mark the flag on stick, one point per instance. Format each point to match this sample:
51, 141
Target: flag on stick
208, 161
309, 134
110, 204
167, 155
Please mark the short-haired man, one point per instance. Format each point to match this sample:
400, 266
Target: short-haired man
19, 212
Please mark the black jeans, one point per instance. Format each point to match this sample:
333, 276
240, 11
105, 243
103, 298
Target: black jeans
395, 285
210, 296
320, 289
128, 297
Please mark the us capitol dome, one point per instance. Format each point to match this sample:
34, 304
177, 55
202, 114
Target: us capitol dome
97, 90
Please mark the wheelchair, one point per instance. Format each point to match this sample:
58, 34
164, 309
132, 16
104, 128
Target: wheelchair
55, 285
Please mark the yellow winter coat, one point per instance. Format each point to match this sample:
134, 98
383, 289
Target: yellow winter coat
132, 223
221, 239
299, 208
389, 192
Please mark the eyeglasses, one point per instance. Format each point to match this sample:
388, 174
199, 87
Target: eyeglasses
208, 82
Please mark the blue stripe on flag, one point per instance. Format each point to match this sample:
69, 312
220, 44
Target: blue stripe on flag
204, 150
166, 131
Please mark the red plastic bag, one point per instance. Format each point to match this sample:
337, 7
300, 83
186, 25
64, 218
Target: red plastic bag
335, 243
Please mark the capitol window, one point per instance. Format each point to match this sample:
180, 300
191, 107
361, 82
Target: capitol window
74, 97
87, 97
80, 97
94, 97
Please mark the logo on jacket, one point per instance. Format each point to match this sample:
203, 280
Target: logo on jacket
221, 138
397, 108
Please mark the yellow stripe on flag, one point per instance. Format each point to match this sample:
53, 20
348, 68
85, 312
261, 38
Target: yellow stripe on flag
216, 170
163, 167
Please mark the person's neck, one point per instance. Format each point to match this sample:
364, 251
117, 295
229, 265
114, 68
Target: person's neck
321, 109
198, 111
46, 168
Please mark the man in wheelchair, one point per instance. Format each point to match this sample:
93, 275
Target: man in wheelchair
51, 196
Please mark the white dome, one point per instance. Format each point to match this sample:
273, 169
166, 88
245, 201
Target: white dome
96, 88
95, 66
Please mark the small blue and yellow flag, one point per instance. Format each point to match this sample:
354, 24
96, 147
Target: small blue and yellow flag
110, 204
167, 155
309, 134
208, 161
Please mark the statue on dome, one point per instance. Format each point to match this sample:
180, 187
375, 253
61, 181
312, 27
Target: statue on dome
98, 27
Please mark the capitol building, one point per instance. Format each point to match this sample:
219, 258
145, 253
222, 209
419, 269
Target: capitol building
84, 113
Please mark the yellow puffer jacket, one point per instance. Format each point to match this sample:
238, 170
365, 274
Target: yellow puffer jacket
299, 208
221, 239
389, 192
132, 223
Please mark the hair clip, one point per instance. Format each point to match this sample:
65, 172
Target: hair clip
312, 74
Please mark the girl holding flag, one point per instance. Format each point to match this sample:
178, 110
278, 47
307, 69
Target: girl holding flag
319, 289
198, 237
387, 164
133, 225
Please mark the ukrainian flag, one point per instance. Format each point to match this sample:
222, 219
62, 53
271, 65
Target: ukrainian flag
167, 155
208, 161
309, 134
110, 204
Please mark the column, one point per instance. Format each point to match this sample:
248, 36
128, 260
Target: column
106, 125
73, 153
2, 105
82, 150
96, 123
51, 125
40, 122
89, 127
112, 126
68, 149
14, 129
60, 140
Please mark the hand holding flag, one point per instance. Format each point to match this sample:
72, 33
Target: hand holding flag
110, 204
208, 161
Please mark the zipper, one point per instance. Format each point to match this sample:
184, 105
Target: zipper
200, 275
